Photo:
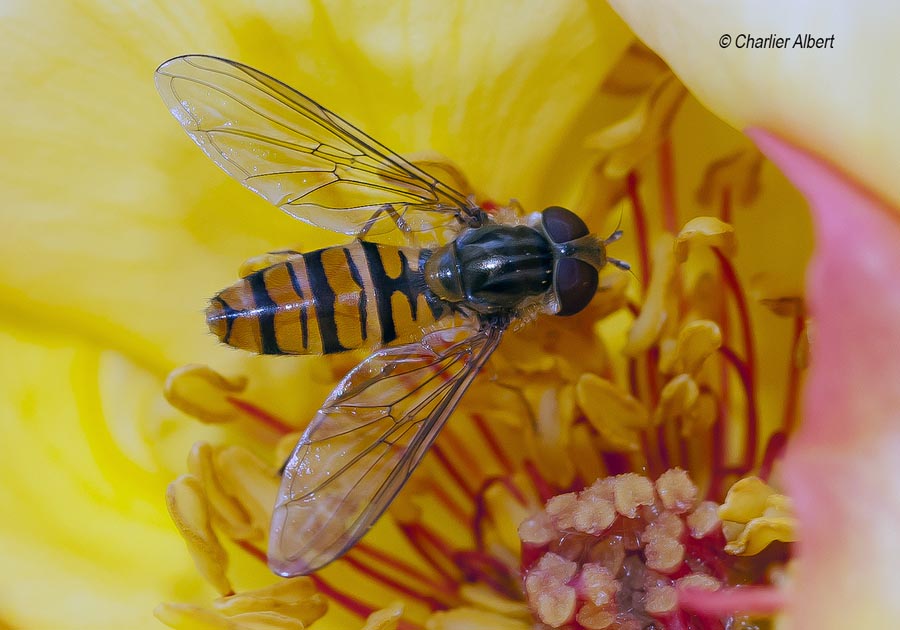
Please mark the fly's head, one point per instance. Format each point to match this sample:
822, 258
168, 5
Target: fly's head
578, 258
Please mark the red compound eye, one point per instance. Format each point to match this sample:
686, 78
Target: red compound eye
575, 282
563, 225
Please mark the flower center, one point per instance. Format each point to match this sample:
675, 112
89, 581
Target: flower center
621, 553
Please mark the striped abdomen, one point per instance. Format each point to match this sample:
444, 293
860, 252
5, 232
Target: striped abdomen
330, 300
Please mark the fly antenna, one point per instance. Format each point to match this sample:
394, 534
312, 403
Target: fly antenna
616, 235
621, 264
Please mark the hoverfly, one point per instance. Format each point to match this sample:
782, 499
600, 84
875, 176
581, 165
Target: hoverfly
436, 310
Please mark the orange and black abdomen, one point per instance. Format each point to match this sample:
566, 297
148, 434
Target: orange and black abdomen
330, 300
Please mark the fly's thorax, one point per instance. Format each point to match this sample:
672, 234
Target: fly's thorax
493, 268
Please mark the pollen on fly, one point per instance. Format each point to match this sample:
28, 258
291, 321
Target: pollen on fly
432, 308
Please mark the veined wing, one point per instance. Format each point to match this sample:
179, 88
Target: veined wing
365, 442
303, 158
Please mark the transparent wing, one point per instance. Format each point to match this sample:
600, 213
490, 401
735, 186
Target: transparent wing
365, 442
303, 158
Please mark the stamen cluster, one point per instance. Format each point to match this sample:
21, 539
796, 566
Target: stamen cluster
616, 554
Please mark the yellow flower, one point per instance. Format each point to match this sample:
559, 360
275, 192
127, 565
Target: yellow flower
116, 231
528, 507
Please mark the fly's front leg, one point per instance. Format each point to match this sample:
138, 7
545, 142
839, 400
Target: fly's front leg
391, 211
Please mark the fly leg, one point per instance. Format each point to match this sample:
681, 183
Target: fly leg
391, 211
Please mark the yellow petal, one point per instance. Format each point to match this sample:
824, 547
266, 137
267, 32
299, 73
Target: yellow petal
88, 449
119, 230
822, 99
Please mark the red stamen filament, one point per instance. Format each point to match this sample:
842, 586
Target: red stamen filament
640, 228
265, 418
451, 470
433, 549
749, 364
348, 602
774, 450
465, 461
760, 600
435, 602
405, 568
483, 568
481, 505
543, 488
492, 442
743, 371
667, 186
452, 505
351, 603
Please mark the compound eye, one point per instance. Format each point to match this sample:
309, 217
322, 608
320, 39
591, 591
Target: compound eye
562, 225
575, 282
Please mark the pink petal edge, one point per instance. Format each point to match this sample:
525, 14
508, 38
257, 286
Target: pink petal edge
842, 468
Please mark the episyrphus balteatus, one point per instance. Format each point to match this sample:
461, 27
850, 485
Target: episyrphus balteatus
436, 307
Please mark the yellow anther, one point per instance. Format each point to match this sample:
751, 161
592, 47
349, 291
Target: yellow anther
617, 416
659, 303
736, 174
227, 512
780, 296
638, 69
697, 341
629, 141
296, 598
709, 231
201, 392
189, 510
677, 399
385, 619
251, 482
756, 516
